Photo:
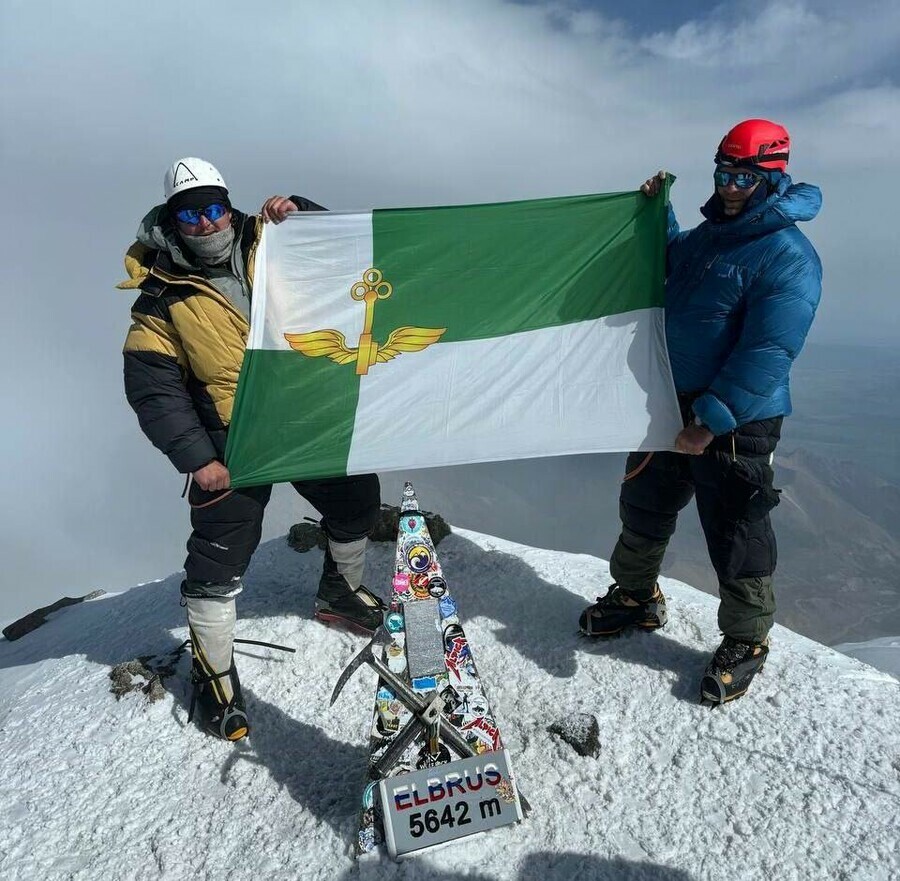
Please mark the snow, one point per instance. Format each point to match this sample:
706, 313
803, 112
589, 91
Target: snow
883, 653
798, 780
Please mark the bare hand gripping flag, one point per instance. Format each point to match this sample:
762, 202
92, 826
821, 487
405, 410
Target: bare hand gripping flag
418, 337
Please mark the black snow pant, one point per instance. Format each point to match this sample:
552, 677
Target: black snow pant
732, 482
227, 526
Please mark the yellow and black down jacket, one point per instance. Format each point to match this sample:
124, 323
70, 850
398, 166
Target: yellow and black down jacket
184, 348
186, 342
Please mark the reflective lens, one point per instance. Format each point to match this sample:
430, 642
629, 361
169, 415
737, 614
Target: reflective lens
192, 216
743, 180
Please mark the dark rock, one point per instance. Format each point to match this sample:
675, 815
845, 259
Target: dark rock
147, 682
305, 536
389, 524
438, 527
581, 732
151, 672
32, 621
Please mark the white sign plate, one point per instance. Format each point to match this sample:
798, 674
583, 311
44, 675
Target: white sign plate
449, 801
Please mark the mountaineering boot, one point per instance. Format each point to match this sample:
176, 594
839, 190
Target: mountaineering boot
217, 689
227, 720
731, 670
342, 598
617, 611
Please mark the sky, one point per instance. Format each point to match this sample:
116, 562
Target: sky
355, 105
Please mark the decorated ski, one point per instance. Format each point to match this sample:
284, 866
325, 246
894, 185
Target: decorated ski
430, 704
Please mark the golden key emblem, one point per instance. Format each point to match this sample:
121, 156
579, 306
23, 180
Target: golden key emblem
332, 344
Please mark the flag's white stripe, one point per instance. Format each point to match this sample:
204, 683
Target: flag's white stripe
259, 299
305, 268
602, 385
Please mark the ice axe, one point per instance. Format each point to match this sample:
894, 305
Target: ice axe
428, 716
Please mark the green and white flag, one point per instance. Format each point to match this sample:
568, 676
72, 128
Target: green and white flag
418, 337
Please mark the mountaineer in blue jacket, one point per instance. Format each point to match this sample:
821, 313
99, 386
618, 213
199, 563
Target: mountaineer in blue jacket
741, 293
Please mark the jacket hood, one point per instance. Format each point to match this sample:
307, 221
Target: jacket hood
789, 204
156, 232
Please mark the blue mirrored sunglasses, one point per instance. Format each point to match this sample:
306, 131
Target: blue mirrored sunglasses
212, 213
743, 180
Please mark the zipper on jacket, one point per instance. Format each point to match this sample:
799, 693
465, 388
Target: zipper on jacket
697, 276
235, 253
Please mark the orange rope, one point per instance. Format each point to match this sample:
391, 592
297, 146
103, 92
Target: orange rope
639, 469
214, 501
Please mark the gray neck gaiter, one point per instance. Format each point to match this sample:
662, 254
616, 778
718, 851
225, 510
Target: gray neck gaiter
213, 249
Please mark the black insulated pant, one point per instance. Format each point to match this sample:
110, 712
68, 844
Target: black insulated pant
227, 532
732, 482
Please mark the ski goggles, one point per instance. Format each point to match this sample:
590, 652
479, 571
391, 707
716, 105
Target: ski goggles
743, 180
192, 216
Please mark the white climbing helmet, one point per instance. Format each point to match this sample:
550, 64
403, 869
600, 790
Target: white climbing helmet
189, 173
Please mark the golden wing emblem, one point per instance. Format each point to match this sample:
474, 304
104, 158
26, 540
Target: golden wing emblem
330, 343
408, 339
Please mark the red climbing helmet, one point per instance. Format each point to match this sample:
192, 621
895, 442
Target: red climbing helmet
758, 142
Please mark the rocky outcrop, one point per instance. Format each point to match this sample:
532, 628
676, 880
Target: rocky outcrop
32, 621
305, 536
134, 676
581, 732
146, 673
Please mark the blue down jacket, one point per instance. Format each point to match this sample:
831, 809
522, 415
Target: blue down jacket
740, 298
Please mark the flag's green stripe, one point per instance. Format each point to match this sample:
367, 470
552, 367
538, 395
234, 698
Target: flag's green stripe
292, 420
486, 270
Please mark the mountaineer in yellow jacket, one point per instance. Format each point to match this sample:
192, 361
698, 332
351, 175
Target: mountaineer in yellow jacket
192, 264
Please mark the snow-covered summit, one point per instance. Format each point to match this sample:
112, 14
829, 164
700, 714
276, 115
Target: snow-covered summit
883, 653
798, 780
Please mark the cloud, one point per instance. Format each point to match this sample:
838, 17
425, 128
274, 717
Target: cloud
775, 31
855, 129
358, 104
793, 49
